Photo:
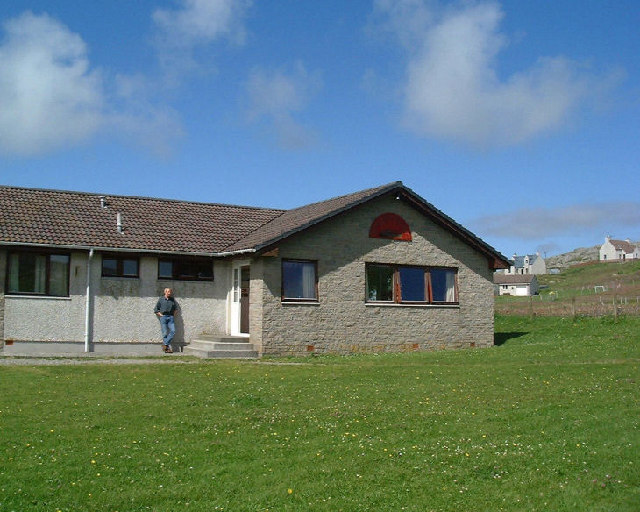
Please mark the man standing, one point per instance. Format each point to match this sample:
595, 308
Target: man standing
164, 310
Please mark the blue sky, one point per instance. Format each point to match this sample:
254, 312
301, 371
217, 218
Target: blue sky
521, 120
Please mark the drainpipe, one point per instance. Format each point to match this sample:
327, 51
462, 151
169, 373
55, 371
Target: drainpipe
87, 318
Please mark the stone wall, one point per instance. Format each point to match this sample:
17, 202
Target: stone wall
341, 321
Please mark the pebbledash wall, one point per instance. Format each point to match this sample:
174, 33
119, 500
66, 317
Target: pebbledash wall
123, 319
341, 321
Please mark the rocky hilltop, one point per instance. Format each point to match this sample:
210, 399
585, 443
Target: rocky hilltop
580, 255
567, 259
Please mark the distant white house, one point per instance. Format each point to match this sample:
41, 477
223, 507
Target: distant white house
515, 284
527, 264
619, 250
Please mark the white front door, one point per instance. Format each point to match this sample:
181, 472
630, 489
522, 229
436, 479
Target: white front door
239, 307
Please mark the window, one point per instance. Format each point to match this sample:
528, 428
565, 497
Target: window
35, 273
410, 284
119, 266
391, 226
299, 280
186, 269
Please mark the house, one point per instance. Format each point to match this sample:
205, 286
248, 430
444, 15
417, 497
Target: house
619, 250
377, 270
527, 264
516, 284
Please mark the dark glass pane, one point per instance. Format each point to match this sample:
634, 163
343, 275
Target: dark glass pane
28, 273
59, 275
443, 285
129, 267
412, 284
298, 280
205, 270
379, 283
165, 269
109, 267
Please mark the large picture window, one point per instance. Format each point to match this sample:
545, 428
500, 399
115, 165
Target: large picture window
411, 284
119, 266
33, 273
186, 269
299, 280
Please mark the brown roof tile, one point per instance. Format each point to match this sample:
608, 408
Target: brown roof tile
293, 221
623, 245
51, 217
499, 278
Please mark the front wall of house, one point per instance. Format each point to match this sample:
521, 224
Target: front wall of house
341, 322
122, 308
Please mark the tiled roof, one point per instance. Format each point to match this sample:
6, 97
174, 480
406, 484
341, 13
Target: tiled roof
51, 217
623, 245
518, 261
499, 278
298, 219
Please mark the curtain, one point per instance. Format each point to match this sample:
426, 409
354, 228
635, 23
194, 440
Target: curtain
308, 281
451, 286
28, 273
14, 273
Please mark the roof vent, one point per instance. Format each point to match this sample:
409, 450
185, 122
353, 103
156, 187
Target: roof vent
119, 223
103, 202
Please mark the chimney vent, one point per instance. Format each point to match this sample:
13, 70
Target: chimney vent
119, 223
103, 202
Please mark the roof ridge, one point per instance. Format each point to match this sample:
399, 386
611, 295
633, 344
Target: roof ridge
143, 198
365, 194
357, 192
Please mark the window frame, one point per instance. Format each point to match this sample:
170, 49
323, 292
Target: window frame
397, 285
120, 258
48, 254
283, 298
193, 259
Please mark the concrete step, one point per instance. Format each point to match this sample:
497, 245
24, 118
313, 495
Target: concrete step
221, 347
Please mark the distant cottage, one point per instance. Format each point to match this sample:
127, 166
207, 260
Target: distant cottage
527, 264
516, 284
377, 270
619, 250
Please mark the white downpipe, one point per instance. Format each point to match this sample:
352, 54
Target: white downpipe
87, 316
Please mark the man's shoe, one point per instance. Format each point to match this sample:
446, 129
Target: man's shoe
168, 350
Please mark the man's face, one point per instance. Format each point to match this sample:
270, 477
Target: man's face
168, 292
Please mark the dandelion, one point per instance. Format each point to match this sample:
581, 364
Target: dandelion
289, 491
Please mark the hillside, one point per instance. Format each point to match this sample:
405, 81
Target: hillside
590, 289
567, 259
575, 257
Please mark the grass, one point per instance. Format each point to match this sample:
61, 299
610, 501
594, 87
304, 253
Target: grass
573, 292
546, 420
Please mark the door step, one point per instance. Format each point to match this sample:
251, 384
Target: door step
208, 346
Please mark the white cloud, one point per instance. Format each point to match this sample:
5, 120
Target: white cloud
197, 23
537, 223
453, 90
275, 96
51, 98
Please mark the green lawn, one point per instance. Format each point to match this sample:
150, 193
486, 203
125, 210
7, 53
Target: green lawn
547, 420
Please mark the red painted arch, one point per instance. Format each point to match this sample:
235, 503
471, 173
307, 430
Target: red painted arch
391, 226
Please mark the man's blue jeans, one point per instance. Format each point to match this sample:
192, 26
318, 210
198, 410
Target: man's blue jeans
168, 329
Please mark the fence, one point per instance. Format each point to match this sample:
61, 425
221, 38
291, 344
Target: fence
595, 306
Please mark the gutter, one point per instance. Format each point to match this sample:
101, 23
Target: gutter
222, 254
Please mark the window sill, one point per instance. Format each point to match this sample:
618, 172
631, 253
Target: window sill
37, 297
410, 305
299, 302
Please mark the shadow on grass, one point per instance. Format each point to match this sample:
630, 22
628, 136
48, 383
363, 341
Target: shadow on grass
500, 338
